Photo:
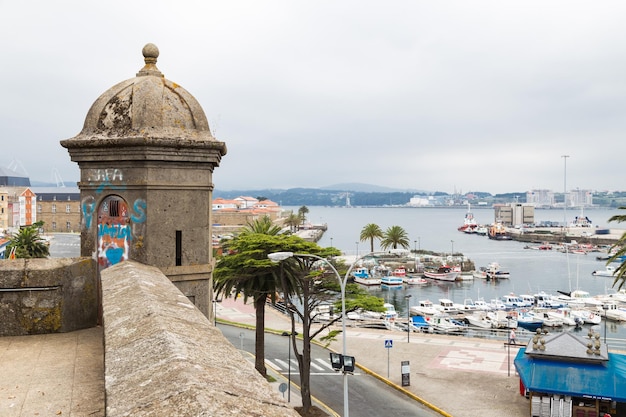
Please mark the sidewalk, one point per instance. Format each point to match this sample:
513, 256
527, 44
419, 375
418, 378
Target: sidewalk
458, 376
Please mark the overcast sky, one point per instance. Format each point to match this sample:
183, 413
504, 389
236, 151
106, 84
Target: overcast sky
434, 95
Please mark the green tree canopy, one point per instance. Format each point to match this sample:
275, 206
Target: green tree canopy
246, 271
302, 212
28, 243
620, 246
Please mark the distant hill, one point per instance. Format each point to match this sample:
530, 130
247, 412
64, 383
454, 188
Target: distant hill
367, 188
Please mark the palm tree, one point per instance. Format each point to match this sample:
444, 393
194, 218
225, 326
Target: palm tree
620, 245
393, 237
302, 212
263, 225
28, 243
370, 232
293, 221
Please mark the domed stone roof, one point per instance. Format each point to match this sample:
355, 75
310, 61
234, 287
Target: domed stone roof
147, 106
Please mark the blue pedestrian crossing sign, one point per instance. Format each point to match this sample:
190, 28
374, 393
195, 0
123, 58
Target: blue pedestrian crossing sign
388, 343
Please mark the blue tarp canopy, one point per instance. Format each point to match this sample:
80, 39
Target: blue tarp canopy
590, 380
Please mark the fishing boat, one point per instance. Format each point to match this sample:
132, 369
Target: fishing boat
362, 276
399, 271
443, 273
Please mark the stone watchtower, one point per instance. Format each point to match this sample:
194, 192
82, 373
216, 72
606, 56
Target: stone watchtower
146, 158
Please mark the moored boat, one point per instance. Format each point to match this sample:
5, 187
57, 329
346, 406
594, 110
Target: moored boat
469, 223
362, 276
414, 280
391, 280
424, 308
495, 271
609, 271
443, 273
498, 232
528, 321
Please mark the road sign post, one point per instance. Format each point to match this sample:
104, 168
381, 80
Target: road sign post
388, 346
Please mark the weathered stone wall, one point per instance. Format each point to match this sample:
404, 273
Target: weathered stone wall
163, 357
39, 296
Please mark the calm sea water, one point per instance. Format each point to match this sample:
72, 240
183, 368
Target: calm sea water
436, 229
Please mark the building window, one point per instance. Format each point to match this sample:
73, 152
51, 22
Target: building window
67, 208
39, 208
54, 225
54, 207
68, 226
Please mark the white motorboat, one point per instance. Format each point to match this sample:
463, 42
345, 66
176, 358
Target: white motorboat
586, 298
612, 311
609, 271
448, 306
548, 319
424, 308
447, 325
497, 304
586, 316
565, 315
542, 299
513, 301
482, 320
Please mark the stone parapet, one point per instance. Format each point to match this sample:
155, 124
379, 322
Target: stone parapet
163, 357
39, 296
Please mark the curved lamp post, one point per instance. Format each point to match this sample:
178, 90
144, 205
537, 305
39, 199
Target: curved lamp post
346, 362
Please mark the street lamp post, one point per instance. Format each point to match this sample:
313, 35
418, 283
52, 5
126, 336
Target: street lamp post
605, 307
415, 246
408, 318
452, 242
331, 242
281, 256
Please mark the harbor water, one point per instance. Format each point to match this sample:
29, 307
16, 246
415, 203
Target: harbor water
435, 229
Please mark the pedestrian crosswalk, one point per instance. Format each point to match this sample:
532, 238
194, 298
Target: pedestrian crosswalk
319, 366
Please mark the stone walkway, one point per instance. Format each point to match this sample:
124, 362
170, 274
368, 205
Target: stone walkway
52, 375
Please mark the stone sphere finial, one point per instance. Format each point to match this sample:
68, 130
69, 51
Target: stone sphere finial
150, 51
150, 54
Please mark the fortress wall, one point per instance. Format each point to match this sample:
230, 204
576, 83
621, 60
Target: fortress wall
163, 357
39, 296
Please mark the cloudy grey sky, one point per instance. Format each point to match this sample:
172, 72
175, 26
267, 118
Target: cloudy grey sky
446, 95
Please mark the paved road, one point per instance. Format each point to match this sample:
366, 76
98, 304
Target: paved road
368, 396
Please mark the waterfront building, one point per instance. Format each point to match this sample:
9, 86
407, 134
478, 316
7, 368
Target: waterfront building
580, 198
540, 198
514, 214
